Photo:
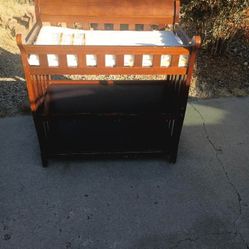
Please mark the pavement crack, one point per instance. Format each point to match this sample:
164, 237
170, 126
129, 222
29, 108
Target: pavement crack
182, 241
205, 130
217, 151
238, 234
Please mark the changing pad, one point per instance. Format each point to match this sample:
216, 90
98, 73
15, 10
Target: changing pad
50, 35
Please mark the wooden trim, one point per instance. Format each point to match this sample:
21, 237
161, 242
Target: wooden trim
26, 67
176, 12
107, 19
74, 82
107, 82
175, 60
156, 60
73, 49
108, 70
119, 60
126, 11
138, 60
32, 35
196, 41
37, 11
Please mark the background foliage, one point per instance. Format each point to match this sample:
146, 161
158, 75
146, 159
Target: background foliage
219, 22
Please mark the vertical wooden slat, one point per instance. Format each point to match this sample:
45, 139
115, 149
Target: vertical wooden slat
138, 60
39, 90
116, 26
34, 87
81, 60
132, 27
175, 60
41, 86
44, 82
43, 60
39, 83
156, 60
63, 60
48, 78
101, 60
119, 60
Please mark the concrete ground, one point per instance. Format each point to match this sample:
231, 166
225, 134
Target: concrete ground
200, 202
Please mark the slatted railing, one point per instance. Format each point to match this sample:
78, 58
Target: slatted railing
39, 77
146, 60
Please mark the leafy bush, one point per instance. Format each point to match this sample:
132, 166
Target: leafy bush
219, 22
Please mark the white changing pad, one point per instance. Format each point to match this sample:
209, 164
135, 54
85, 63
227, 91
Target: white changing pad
50, 35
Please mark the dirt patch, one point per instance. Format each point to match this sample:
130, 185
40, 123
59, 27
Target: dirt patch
222, 76
14, 18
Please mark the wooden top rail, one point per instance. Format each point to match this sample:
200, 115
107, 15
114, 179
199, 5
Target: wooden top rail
74, 49
139, 11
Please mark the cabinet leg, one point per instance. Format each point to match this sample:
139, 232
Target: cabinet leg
172, 158
44, 160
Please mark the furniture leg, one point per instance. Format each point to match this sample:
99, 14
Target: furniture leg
44, 160
176, 138
41, 138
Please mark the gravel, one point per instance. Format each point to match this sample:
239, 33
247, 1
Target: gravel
13, 94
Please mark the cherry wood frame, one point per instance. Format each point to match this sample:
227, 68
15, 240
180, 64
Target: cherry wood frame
82, 13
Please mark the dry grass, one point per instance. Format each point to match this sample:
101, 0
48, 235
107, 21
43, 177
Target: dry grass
11, 13
13, 8
12, 86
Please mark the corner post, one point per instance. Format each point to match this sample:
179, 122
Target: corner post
26, 68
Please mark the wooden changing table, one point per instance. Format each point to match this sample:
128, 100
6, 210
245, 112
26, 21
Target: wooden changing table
75, 116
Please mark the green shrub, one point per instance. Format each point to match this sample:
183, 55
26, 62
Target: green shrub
219, 22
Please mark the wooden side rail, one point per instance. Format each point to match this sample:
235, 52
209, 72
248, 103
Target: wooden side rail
32, 35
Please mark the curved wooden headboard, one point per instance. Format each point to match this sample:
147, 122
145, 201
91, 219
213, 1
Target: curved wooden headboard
109, 11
